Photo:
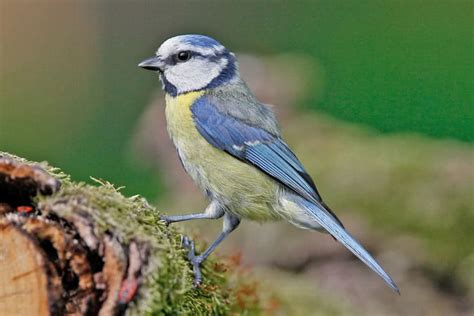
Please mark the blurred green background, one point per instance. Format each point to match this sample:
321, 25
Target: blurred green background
69, 75
394, 84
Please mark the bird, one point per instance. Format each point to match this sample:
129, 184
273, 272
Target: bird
231, 145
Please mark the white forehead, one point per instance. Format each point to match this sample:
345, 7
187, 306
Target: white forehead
200, 44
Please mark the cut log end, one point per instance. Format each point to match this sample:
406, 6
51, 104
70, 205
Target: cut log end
31, 283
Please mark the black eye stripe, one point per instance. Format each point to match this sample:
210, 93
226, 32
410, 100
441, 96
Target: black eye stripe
173, 59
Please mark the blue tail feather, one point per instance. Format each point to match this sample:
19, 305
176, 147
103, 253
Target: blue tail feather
335, 229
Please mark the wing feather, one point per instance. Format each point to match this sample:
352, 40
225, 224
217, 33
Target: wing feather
255, 146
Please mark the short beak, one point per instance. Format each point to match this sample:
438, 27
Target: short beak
154, 63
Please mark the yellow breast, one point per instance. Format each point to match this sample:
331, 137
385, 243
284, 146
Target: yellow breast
244, 189
179, 117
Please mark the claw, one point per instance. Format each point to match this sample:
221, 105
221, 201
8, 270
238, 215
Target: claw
185, 241
193, 259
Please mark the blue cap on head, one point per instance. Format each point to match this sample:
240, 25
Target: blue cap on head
200, 40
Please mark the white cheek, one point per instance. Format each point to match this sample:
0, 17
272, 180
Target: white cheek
193, 75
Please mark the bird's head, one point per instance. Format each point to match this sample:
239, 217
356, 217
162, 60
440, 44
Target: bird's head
191, 63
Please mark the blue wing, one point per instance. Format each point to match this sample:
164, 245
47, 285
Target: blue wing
270, 154
255, 146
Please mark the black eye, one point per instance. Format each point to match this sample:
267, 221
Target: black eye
183, 56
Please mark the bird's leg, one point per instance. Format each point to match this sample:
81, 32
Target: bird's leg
213, 211
230, 223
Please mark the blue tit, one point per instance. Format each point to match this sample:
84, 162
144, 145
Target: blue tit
230, 144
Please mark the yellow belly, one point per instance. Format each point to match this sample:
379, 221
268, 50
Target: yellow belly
245, 190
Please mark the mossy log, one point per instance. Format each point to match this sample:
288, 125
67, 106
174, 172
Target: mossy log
79, 249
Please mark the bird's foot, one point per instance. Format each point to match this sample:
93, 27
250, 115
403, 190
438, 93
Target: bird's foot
165, 219
195, 260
